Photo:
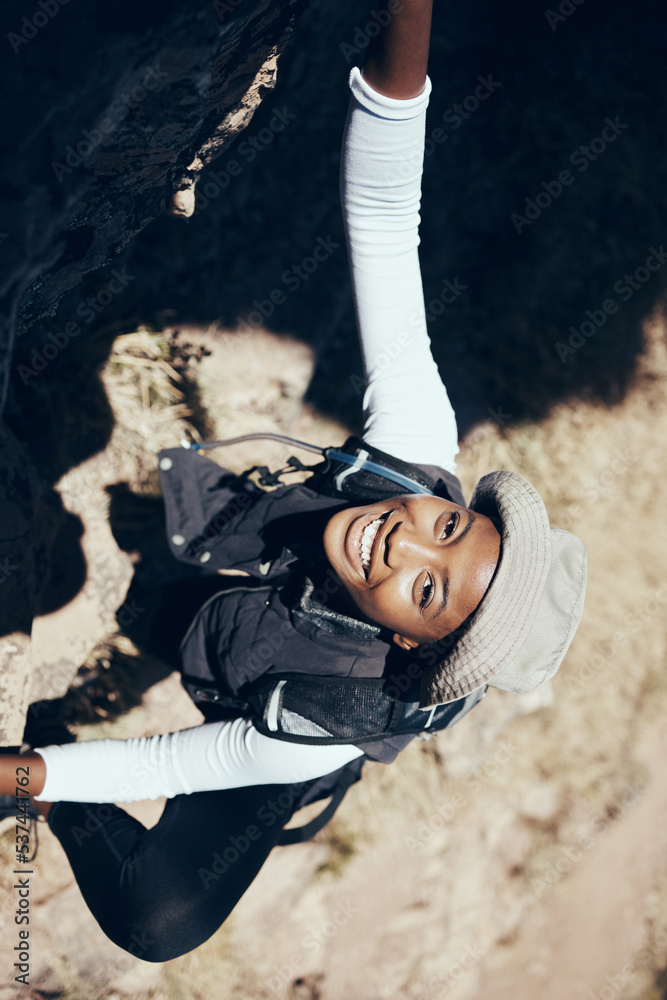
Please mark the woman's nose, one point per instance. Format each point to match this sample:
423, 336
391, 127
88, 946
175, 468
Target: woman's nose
405, 543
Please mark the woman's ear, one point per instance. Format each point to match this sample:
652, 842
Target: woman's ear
404, 642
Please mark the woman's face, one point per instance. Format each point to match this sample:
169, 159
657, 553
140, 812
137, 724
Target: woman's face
417, 565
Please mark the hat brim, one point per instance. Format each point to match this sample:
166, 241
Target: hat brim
496, 631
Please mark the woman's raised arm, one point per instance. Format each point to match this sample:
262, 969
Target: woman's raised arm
396, 59
407, 412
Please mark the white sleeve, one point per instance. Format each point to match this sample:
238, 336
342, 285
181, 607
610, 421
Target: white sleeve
212, 756
407, 412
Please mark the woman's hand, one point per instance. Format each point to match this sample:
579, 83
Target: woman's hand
396, 60
25, 772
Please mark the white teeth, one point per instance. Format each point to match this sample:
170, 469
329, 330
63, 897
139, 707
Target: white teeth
367, 539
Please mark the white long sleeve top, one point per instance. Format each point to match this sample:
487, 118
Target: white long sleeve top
406, 413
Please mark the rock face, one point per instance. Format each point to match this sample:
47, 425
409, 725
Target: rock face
110, 114
114, 110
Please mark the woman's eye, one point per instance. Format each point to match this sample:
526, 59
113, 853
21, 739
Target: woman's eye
426, 593
451, 525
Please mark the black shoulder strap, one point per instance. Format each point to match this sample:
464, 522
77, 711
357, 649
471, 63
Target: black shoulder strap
338, 478
352, 773
329, 711
298, 834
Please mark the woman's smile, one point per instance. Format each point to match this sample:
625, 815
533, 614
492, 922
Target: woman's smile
360, 541
418, 565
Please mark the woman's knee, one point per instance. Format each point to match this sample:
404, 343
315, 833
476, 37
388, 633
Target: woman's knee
160, 930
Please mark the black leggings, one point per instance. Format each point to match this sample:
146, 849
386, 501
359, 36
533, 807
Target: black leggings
159, 893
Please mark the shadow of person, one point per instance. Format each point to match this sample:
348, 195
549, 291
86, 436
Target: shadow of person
530, 259
162, 599
165, 593
42, 566
56, 420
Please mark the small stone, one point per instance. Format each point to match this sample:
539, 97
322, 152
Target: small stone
204, 557
177, 539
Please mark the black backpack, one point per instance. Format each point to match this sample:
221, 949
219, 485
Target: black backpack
338, 710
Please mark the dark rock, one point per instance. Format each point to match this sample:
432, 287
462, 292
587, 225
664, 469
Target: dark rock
112, 112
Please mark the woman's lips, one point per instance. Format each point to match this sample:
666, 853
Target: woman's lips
353, 539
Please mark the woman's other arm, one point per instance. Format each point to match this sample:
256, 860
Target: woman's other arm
22, 774
212, 756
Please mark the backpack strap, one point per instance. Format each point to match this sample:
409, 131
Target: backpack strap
373, 475
329, 711
299, 834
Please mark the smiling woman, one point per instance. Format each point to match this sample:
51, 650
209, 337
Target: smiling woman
346, 578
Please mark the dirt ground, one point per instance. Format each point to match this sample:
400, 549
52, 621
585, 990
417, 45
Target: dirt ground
520, 854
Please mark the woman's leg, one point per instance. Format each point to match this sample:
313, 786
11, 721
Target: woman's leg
159, 893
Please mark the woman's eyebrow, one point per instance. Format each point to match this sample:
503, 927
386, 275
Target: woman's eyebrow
443, 603
471, 521
445, 586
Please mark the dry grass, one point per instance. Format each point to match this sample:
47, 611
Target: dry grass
151, 388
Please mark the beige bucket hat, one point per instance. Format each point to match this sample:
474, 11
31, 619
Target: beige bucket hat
518, 635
